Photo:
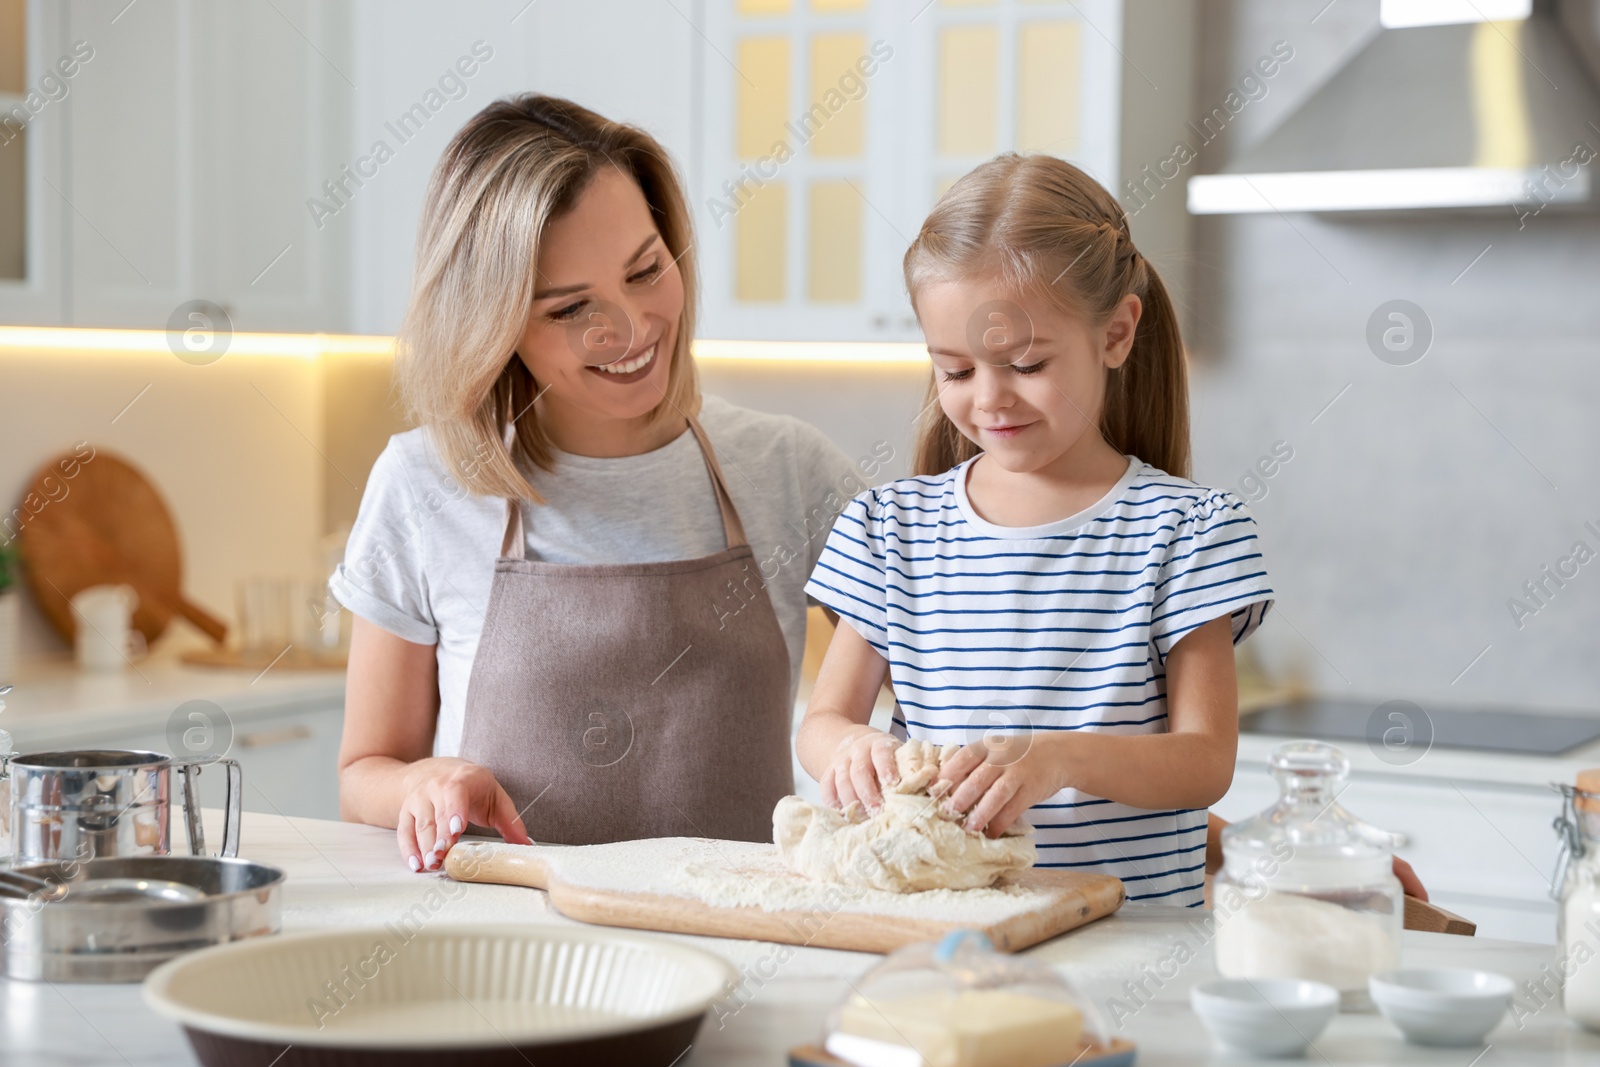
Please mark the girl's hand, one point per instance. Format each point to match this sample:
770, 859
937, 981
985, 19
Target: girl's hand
444, 794
998, 778
863, 760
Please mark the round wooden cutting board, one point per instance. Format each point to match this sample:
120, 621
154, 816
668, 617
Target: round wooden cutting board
93, 518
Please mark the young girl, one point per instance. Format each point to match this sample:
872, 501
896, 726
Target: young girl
1050, 589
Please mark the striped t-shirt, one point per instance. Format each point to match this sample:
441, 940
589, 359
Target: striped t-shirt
1064, 626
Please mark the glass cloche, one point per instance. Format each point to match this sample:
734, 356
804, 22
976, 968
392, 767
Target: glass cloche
959, 1003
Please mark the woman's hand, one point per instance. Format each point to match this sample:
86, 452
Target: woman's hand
996, 779
444, 794
864, 759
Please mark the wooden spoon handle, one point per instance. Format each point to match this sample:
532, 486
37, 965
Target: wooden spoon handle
208, 623
496, 861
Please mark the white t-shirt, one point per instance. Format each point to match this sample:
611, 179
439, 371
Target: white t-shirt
1064, 626
420, 559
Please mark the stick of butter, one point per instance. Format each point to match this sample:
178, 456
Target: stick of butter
971, 1028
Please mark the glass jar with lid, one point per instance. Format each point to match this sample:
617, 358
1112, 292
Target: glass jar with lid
1306, 889
1576, 886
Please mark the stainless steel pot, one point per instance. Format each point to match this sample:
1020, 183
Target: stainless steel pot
98, 803
116, 920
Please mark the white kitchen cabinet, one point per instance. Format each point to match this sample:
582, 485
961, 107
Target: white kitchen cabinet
1483, 849
830, 127
629, 60
33, 92
285, 725
289, 759
196, 136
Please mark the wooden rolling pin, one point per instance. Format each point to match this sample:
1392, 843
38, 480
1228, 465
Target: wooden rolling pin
496, 861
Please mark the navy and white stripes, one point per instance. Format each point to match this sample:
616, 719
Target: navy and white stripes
1065, 626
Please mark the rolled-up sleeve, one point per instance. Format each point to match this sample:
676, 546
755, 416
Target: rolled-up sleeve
382, 578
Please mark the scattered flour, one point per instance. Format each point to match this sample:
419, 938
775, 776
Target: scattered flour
743, 874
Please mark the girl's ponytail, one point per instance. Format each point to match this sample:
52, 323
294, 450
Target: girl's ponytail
1146, 413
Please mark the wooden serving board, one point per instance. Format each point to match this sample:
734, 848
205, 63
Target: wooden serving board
681, 884
95, 519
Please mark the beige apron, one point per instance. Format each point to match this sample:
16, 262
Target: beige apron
629, 700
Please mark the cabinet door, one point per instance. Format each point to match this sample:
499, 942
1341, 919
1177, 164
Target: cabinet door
830, 127
798, 203
130, 181
271, 111
34, 53
289, 762
198, 134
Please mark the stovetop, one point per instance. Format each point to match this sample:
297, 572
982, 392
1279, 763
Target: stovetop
1485, 730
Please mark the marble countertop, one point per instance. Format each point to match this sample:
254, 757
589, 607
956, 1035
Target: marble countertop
1446, 764
54, 698
342, 875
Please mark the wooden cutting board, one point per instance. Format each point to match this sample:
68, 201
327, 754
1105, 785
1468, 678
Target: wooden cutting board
691, 885
104, 523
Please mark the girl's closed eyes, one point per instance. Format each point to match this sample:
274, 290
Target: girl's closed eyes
963, 375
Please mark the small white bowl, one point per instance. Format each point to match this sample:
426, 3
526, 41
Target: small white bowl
1265, 1016
1442, 1005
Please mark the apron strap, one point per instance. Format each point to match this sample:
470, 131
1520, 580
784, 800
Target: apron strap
515, 545
732, 526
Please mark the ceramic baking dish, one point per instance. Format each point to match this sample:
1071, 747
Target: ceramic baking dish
446, 995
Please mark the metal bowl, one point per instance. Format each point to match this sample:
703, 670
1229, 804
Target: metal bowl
117, 919
476, 995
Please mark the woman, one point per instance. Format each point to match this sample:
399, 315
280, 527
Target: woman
577, 585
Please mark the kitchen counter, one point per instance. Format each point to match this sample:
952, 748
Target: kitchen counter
53, 698
1442, 764
341, 875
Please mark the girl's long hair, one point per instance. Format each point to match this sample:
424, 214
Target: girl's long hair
1048, 231
514, 167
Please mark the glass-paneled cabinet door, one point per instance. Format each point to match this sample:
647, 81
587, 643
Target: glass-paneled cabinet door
36, 77
829, 128
797, 176
1014, 75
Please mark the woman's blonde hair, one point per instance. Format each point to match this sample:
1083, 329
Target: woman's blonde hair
1048, 231
516, 166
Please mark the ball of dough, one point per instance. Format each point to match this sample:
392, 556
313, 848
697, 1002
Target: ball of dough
908, 846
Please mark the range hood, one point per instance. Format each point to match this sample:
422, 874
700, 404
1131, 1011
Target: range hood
1435, 114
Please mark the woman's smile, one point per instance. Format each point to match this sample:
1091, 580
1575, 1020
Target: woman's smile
630, 368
